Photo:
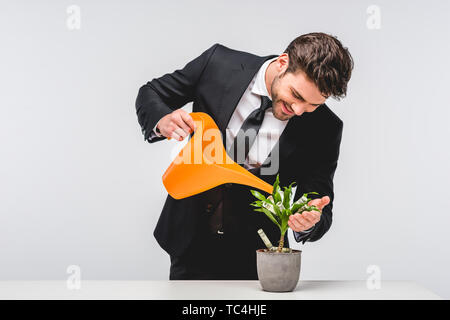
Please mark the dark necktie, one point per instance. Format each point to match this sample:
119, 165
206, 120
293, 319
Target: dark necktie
249, 130
252, 122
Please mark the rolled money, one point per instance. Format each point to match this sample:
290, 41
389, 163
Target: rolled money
285, 250
265, 239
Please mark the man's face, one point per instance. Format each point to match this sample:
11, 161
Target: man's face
293, 94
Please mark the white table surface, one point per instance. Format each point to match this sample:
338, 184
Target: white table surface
209, 290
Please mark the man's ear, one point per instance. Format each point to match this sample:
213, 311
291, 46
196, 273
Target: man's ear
283, 62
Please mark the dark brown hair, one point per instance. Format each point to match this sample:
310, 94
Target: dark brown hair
324, 60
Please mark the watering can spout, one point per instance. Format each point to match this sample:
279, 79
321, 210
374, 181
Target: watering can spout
203, 164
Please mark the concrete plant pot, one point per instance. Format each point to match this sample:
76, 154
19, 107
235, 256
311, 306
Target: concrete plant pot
278, 271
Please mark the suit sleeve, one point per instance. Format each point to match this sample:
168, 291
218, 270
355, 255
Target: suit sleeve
320, 180
163, 95
154, 134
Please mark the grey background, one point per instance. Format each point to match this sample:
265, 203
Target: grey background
79, 186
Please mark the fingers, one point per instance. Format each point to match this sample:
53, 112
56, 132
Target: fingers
178, 125
303, 221
320, 203
299, 222
185, 130
189, 121
176, 136
181, 133
295, 225
325, 200
311, 216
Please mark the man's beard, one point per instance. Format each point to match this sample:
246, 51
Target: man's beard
276, 108
276, 102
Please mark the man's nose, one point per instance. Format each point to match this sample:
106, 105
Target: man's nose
298, 109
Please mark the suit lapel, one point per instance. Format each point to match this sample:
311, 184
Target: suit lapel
237, 82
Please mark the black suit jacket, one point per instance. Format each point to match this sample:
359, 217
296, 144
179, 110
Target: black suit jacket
214, 82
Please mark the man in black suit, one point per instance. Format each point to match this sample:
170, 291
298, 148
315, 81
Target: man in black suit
213, 235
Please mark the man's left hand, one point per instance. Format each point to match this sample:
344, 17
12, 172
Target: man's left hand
307, 219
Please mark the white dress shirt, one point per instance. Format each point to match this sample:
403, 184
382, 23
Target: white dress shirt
271, 128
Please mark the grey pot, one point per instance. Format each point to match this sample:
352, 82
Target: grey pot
278, 271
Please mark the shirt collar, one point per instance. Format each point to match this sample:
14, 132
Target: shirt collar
259, 87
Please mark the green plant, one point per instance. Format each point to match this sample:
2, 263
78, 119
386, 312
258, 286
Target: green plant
280, 205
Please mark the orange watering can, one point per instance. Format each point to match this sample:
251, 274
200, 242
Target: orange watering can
203, 164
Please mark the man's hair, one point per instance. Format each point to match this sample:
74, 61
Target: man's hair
324, 60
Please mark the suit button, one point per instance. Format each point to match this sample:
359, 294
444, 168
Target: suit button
209, 207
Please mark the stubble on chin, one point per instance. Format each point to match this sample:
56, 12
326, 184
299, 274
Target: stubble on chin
277, 113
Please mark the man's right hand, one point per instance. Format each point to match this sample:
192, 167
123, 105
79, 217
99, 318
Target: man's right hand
178, 125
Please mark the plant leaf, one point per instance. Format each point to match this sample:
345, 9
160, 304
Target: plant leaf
286, 197
258, 195
290, 186
269, 215
288, 212
296, 207
291, 196
275, 185
256, 203
277, 210
278, 195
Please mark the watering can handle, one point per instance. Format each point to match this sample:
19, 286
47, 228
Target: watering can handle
192, 114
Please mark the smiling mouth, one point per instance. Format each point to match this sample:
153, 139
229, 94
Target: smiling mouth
285, 109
